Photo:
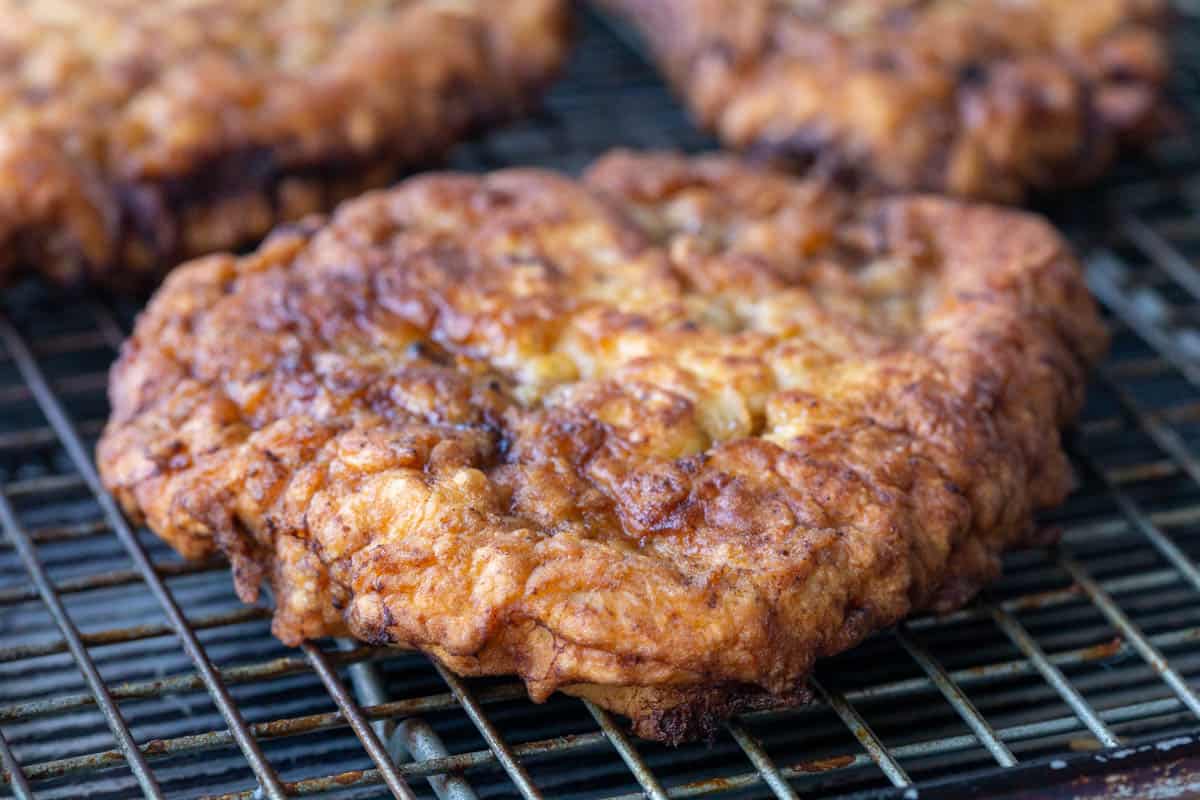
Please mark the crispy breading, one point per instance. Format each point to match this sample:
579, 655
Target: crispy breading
134, 133
986, 99
660, 437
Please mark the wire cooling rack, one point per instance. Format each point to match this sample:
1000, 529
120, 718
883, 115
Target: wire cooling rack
126, 671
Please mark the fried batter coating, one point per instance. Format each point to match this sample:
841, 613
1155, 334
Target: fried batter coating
660, 437
134, 133
986, 99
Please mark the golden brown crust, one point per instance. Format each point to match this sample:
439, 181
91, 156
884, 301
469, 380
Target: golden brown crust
133, 133
661, 437
985, 99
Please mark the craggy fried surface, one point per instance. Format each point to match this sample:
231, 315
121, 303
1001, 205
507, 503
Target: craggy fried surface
660, 437
135, 133
985, 98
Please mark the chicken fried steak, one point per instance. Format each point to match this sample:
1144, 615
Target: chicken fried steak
986, 99
660, 437
135, 133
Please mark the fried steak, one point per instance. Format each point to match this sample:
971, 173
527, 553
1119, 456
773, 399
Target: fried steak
985, 99
659, 437
135, 133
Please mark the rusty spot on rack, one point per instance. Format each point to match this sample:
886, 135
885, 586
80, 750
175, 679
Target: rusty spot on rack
980, 669
552, 745
1150, 471
1038, 600
825, 764
1103, 650
296, 725
348, 778
709, 785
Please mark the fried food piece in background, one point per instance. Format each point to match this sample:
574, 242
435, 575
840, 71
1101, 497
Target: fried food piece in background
986, 99
134, 134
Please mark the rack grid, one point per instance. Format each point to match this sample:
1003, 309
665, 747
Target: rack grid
125, 670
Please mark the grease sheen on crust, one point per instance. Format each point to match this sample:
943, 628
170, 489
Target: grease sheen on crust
987, 98
661, 436
133, 133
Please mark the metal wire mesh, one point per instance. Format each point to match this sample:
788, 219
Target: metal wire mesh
125, 671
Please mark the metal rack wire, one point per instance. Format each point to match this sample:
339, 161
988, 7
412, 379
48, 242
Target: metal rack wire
125, 671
